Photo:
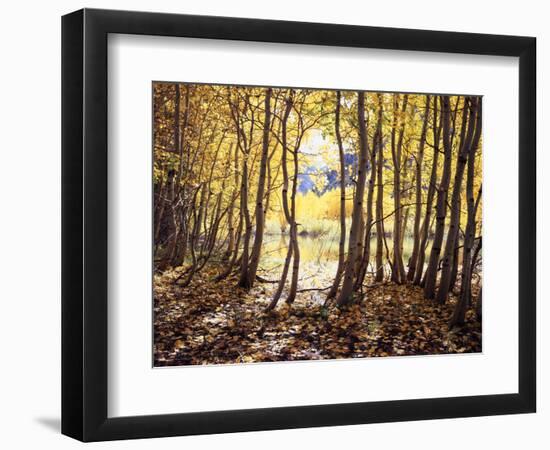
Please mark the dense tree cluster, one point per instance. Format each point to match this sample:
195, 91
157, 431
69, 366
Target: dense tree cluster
232, 164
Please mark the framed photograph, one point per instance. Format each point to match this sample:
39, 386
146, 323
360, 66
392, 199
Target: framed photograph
273, 225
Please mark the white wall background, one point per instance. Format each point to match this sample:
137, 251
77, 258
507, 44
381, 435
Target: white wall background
30, 222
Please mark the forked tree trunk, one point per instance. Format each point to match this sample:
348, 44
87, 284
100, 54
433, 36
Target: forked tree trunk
235, 252
260, 216
244, 144
286, 208
346, 294
474, 124
459, 312
369, 220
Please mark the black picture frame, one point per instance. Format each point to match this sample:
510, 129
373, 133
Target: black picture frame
84, 224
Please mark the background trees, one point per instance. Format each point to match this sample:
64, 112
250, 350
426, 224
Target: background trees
319, 191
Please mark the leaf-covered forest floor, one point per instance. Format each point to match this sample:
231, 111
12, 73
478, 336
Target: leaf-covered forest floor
216, 323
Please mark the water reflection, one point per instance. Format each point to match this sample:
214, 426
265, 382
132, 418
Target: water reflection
318, 257
321, 249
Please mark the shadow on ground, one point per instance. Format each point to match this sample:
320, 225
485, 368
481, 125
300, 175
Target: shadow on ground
52, 423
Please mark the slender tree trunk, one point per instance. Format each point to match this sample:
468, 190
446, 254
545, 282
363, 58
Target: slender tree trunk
346, 294
284, 275
404, 230
243, 280
441, 208
426, 226
457, 254
245, 144
270, 178
160, 204
454, 268
418, 206
369, 220
260, 217
342, 243
398, 269
286, 208
176, 258
380, 199
166, 200
230, 219
195, 231
235, 252
294, 233
181, 136
173, 195
475, 252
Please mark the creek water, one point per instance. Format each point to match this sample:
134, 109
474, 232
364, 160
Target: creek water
318, 256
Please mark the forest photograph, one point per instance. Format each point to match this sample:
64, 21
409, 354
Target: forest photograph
294, 224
